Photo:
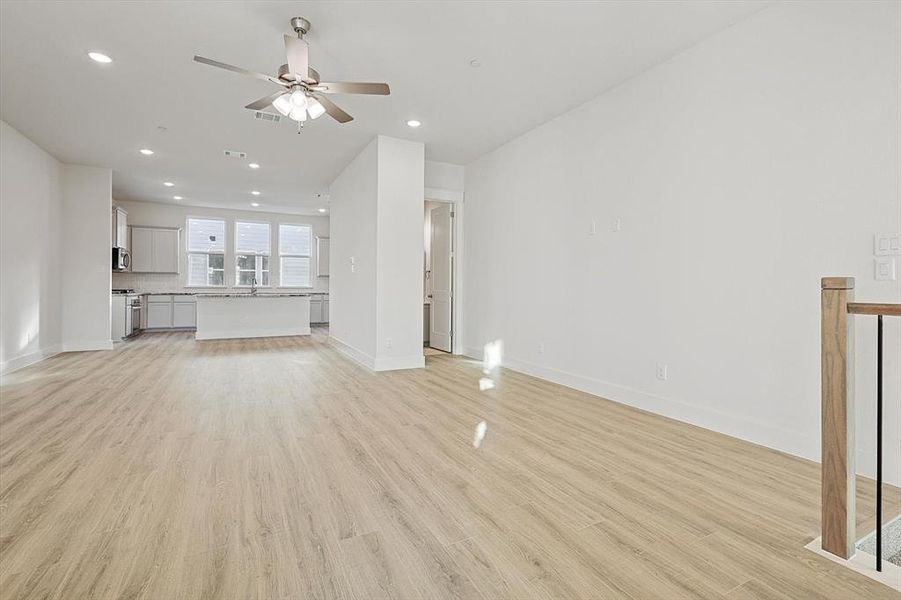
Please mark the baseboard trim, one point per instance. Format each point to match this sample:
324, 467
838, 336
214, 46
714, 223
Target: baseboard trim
352, 353
396, 363
750, 431
251, 333
87, 345
26, 360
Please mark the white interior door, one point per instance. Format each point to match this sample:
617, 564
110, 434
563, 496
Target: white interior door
442, 278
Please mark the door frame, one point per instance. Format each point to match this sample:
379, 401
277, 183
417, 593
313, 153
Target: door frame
455, 198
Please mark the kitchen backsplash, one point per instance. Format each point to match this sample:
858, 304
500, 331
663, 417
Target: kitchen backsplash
153, 283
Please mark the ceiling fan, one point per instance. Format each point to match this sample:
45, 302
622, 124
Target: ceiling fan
302, 94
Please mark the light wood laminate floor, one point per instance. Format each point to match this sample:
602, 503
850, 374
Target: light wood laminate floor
276, 468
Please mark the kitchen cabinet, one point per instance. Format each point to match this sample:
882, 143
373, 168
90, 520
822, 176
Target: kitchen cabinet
319, 308
154, 249
119, 228
122, 314
141, 250
159, 315
171, 311
184, 314
322, 256
315, 309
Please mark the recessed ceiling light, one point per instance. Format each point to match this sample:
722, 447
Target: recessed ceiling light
254, 203
254, 166
100, 57
255, 192
177, 198
146, 151
168, 183
321, 210
413, 123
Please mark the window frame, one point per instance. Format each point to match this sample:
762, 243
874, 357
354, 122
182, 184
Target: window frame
189, 252
281, 284
257, 262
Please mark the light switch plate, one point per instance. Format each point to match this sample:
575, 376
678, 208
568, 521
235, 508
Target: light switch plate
885, 268
887, 244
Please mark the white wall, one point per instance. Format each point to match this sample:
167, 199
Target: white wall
85, 257
30, 212
444, 181
400, 257
152, 214
377, 205
352, 302
743, 170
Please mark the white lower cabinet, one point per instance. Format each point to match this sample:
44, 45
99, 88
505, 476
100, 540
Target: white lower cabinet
171, 311
318, 308
159, 315
184, 314
315, 310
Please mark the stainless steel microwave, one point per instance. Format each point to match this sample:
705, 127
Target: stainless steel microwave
121, 259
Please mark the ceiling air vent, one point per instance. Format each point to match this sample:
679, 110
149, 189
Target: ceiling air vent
235, 154
265, 116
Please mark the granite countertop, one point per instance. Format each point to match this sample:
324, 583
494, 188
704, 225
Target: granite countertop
257, 295
226, 294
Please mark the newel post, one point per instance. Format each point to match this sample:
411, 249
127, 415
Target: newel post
837, 430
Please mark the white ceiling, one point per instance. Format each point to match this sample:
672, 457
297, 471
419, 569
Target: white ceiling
538, 59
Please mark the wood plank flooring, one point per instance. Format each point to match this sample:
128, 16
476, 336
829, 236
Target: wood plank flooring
277, 468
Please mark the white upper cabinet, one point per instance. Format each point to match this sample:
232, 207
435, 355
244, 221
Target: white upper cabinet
154, 250
141, 250
119, 228
165, 250
322, 256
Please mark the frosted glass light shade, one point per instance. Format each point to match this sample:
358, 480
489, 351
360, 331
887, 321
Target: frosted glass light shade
315, 109
299, 99
283, 104
298, 114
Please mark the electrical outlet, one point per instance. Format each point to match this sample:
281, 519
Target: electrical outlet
388, 343
661, 372
540, 347
617, 224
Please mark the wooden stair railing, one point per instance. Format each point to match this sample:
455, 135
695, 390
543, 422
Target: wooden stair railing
838, 447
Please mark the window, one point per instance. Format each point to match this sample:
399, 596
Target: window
295, 244
251, 253
206, 252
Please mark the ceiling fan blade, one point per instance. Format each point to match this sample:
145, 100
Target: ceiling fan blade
234, 69
298, 56
264, 102
333, 110
352, 87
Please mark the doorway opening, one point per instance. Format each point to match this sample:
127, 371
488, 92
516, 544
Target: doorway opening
438, 277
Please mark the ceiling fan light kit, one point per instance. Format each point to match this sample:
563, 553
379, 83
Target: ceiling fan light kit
302, 93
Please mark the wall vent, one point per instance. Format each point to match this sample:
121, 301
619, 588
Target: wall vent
235, 154
265, 116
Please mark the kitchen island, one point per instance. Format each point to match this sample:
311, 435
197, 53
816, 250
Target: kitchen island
245, 315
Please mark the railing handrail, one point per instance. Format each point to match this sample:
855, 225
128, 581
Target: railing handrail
874, 308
